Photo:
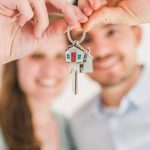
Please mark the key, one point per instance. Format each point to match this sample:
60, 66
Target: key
78, 59
75, 58
74, 70
74, 74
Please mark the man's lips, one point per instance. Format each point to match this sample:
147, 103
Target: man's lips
106, 63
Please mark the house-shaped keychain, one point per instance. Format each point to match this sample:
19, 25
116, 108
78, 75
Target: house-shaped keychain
77, 55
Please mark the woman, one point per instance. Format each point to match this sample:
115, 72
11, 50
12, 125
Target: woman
29, 88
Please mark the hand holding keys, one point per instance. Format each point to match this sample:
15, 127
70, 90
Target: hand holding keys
78, 58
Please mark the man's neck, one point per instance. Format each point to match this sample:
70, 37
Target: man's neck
112, 96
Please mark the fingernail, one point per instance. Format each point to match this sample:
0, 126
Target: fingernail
73, 20
87, 11
84, 19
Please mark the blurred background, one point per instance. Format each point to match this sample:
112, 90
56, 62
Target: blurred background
67, 103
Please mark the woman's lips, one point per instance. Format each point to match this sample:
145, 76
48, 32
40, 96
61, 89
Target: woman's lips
49, 83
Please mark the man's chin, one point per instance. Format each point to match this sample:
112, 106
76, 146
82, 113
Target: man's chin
109, 84
112, 82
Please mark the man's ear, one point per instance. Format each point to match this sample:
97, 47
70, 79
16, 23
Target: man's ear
138, 33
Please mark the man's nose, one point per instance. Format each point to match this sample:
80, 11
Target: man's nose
101, 48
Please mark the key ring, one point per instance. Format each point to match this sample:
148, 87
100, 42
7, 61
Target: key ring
70, 38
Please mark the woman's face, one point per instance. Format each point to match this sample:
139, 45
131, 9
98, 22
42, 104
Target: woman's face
42, 75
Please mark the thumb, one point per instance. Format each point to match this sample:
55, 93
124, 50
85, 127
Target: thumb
111, 15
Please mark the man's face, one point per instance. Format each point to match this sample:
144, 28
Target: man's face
114, 50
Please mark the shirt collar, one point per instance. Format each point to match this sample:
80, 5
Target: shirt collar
139, 95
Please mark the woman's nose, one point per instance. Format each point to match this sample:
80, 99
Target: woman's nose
50, 67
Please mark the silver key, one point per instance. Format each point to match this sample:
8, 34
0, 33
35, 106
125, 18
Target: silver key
74, 75
79, 60
74, 70
75, 57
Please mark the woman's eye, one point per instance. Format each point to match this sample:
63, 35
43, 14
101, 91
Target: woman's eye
61, 57
37, 56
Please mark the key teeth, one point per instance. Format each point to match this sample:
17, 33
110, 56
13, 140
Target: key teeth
75, 92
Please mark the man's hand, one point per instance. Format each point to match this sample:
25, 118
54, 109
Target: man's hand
129, 12
89, 6
22, 22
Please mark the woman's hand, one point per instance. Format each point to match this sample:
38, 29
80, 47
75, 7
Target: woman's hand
22, 22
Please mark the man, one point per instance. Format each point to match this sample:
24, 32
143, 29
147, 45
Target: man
116, 118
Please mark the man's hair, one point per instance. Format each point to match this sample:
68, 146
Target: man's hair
75, 2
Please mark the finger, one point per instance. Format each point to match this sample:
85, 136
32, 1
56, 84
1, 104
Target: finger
110, 16
71, 14
96, 4
6, 11
113, 3
79, 13
25, 12
41, 17
85, 6
55, 28
74, 15
51, 9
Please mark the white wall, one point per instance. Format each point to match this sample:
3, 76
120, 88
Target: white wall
68, 102
144, 48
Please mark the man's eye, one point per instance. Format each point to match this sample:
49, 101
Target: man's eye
37, 56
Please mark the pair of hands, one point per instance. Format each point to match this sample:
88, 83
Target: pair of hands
128, 12
23, 22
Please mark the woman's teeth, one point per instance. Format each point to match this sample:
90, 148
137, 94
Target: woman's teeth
48, 82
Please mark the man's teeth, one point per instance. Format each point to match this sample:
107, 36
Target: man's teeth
108, 63
48, 82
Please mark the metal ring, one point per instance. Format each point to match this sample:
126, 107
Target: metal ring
70, 38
